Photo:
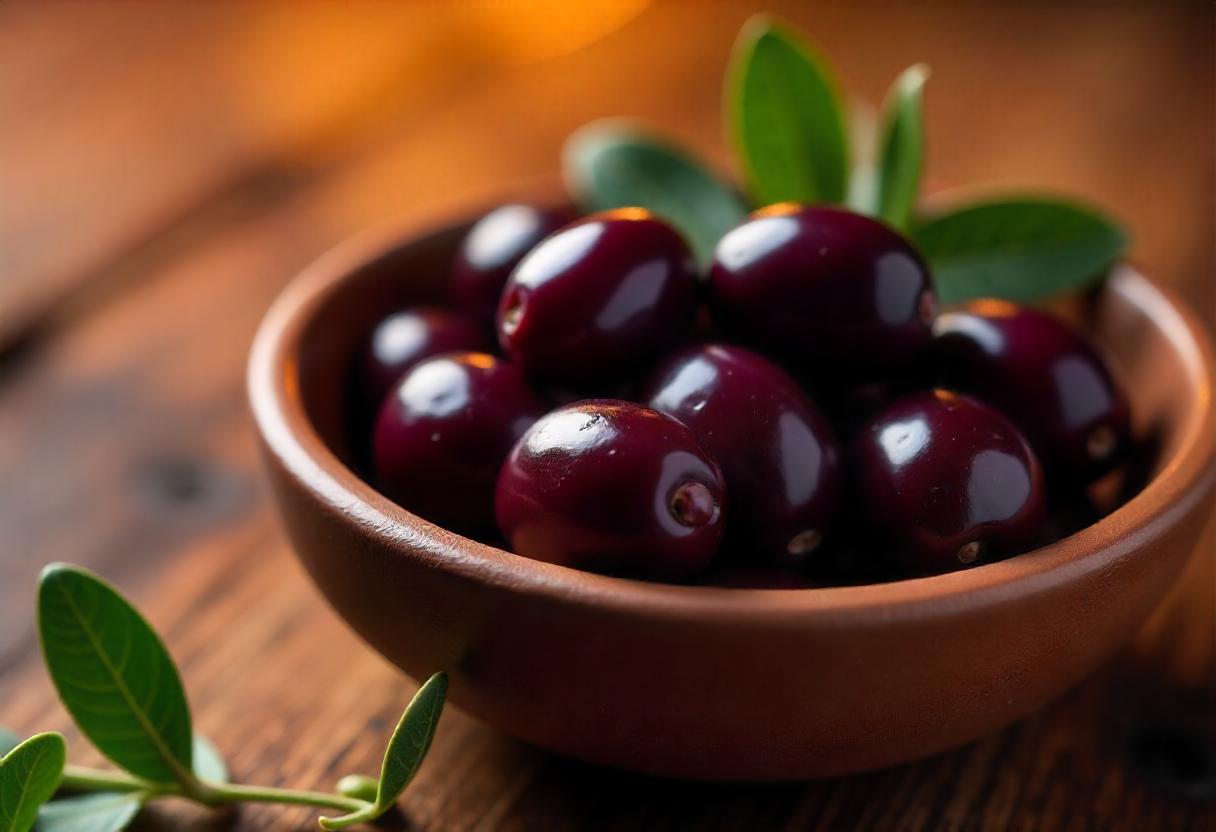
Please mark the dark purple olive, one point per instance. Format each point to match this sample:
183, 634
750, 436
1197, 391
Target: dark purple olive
407, 337
611, 486
781, 462
599, 298
492, 248
442, 435
824, 288
1042, 374
948, 482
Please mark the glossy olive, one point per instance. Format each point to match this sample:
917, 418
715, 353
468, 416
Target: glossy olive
780, 459
407, 337
1045, 376
947, 482
825, 288
442, 435
492, 248
599, 298
611, 486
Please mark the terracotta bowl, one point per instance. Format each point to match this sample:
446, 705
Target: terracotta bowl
702, 682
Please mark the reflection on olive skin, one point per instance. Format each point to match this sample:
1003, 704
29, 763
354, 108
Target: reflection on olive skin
399, 336
639, 292
492, 242
557, 255
998, 488
572, 432
904, 441
980, 330
801, 458
897, 288
1085, 397
434, 390
753, 241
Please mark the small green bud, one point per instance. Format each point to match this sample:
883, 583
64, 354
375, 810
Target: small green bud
359, 786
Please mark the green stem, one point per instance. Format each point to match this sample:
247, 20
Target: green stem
80, 779
233, 793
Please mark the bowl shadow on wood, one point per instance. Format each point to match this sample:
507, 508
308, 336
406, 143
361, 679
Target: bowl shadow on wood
706, 683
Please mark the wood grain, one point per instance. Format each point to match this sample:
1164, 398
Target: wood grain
124, 436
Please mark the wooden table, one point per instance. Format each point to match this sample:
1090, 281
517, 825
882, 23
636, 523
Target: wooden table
165, 170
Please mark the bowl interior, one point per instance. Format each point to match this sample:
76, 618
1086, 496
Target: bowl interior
1147, 338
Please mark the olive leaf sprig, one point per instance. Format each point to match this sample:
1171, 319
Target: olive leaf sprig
784, 117
122, 689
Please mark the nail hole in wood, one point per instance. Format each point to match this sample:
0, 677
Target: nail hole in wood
191, 485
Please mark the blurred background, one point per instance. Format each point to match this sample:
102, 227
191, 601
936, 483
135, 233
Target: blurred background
166, 168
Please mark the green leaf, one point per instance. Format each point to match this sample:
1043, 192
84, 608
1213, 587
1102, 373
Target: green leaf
785, 118
405, 752
412, 739
208, 764
114, 675
1020, 249
903, 147
29, 776
8, 741
612, 164
100, 812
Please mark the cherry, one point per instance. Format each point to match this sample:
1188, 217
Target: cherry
611, 486
825, 288
407, 337
443, 432
492, 248
777, 452
948, 481
1045, 376
599, 298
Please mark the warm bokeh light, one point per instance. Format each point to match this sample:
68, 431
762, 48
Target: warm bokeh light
778, 209
543, 29
479, 360
993, 308
627, 214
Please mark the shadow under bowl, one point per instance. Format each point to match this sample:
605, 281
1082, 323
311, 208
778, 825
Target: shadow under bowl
705, 682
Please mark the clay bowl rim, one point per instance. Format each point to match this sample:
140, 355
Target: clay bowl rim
288, 433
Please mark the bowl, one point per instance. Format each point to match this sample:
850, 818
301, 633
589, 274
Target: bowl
703, 682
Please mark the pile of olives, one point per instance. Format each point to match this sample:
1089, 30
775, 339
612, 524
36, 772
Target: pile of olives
594, 399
